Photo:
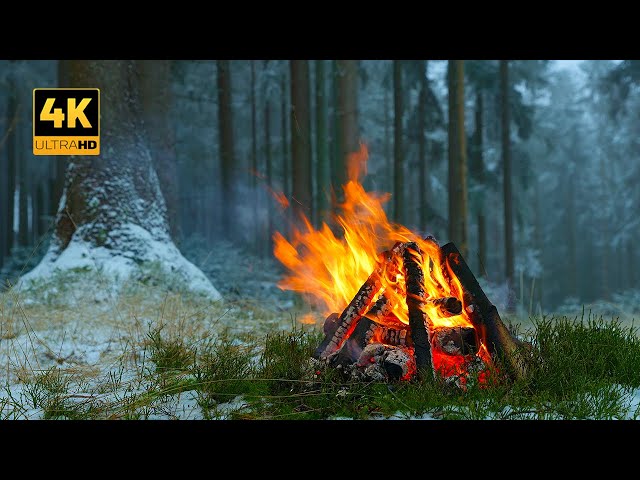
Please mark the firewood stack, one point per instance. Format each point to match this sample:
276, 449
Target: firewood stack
368, 343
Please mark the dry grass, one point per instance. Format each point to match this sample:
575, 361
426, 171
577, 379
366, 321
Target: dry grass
80, 326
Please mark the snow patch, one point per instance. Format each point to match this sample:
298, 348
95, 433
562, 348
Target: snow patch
141, 251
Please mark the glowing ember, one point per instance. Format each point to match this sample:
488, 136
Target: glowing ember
330, 269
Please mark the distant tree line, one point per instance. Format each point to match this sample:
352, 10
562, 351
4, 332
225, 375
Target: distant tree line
530, 173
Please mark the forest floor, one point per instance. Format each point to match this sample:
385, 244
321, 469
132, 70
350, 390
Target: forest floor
79, 337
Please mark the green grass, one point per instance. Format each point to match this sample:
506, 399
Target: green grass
581, 368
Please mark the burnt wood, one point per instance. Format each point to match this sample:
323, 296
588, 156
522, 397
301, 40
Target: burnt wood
414, 279
359, 305
447, 306
485, 318
330, 326
455, 340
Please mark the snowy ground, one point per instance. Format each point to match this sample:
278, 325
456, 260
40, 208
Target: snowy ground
97, 335
78, 322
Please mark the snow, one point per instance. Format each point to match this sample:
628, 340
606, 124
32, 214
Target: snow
120, 265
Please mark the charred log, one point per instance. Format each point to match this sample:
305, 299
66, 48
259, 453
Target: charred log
383, 362
330, 326
358, 307
500, 342
455, 340
414, 278
369, 329
447, 306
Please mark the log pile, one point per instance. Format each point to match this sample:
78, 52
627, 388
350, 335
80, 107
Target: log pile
367, 342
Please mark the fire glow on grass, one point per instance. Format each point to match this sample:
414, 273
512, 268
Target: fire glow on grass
329, 270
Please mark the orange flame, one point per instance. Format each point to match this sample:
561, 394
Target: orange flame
329, 269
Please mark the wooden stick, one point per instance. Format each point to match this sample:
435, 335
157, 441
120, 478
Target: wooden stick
414, 279
500, 342
359, 304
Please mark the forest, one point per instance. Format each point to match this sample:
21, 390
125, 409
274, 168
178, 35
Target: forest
445, 225
530, 166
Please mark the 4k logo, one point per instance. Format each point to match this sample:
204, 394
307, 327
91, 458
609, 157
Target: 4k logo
66, 121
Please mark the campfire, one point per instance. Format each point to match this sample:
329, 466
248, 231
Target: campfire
397, 304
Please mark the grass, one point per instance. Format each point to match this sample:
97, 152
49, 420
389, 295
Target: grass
169, 356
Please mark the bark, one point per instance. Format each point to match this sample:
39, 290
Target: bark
11, 143
457, 157
323, 172
267, 241
479, 176
284, 115
501, 344
423, 165
102, 193
398, 157
300, 138
60, 160
24, 239
254, 154
114, 200
506, 169
156, 98
285, 144
227, 156
337, 161
39, 219
388, 159
348, 114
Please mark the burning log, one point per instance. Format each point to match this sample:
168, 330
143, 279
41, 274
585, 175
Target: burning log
330, 326
369, 329
358, 306
500, 342
447, 306
414, 279
383, 362
456, 340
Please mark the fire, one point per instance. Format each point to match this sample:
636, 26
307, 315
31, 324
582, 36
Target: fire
329, 270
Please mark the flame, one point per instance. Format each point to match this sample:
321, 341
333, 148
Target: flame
308, 319
329, 269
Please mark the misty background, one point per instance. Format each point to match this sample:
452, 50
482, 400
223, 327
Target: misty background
557, 225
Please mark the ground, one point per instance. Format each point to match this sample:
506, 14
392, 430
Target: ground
77, 334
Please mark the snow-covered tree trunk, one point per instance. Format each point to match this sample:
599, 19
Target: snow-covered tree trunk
112, 215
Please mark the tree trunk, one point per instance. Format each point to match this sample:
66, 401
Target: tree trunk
156, 98
11, 142
286, 166
227, 165
40, 224
388, 160
423, 161
254, 156
506, 170
337, 164
268, 166
112, 207
479, 176
348, 113
398, 158
23, 187
300, 138
570, 224
60, 160
323, 172
457, 158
